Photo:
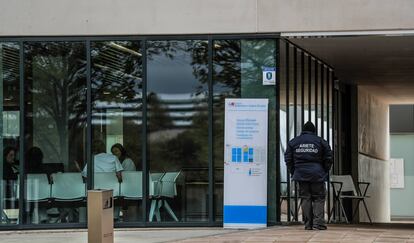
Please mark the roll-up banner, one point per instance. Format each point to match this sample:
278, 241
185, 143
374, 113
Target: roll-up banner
245, 163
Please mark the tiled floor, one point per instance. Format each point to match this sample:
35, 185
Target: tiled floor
335, 233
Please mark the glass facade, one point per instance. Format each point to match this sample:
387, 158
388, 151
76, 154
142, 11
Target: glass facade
178, 129
116, 94
54, 128
10, 132
145, 118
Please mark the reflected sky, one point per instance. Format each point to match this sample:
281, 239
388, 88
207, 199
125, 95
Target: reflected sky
173, 74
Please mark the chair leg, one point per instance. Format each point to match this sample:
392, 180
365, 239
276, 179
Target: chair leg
331, 213
333, 209
343, 211
158, 209
366, 210
152, 209
169, 210
4, 217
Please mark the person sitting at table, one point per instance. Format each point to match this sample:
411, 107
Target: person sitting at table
10, 165
34, 161
34, 165
119, 151
104, 162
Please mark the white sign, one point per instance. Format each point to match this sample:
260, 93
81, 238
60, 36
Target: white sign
269, 75
245, 163
397, 173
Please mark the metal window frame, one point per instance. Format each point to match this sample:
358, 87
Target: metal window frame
295, 118
322, 68
309, 88
310, 75
316, 95
302, 60
278, 138
145, 163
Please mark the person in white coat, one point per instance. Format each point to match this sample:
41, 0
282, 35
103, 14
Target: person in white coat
104, 162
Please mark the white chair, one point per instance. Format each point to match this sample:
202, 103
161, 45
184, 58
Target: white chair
168, 184
154, 193
68, 187
155, 184
38, 188
344, 183
107, 180
131, 186
168, 189
3, 215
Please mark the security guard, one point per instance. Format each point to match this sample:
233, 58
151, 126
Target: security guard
308, 159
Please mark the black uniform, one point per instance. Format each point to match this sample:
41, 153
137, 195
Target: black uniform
308, 159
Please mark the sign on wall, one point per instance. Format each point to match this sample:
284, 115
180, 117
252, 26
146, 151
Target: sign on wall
269, 75
245, 163
397, 173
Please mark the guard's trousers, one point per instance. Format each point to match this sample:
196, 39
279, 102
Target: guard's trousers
313, 202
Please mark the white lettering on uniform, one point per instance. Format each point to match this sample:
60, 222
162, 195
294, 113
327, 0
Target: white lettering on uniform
307, 148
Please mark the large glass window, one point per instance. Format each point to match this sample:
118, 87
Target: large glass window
55, 118
237, 66
116, 79
226, 84
53, 156
9, 132
178, 130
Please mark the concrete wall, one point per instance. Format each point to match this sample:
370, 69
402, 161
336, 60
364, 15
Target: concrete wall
373, 165
134, 17
377, 173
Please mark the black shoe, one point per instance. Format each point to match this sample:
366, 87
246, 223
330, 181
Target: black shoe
308, 228
320, 227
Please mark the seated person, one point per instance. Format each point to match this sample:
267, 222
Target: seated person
119, 151
10, 173
104, 162
34, 161
10, 165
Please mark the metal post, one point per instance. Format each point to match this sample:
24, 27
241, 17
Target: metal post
211, 215
287, 126
145, 167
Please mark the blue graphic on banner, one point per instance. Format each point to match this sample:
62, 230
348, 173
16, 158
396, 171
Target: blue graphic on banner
245, 214
239, 154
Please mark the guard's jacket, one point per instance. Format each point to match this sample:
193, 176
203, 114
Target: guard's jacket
308, 158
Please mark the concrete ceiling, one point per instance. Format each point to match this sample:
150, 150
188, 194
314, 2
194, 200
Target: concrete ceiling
384, 64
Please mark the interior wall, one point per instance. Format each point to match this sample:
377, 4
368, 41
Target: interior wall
401, 198
373, 148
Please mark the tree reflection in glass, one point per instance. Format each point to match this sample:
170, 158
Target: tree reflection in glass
178, 122
55, 117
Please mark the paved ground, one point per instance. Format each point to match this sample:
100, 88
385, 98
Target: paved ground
121, 235
334, 234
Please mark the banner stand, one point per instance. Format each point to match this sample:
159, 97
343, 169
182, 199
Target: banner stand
245, 163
